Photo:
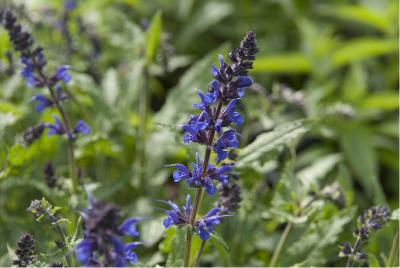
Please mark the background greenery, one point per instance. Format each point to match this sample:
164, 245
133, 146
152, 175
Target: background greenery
322, 113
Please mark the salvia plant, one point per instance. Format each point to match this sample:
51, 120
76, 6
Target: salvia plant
212, 129
225, 187
34, 62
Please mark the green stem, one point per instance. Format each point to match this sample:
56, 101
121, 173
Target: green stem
350, 261
285, 234
394, 251
142, 131
188, 244
281, 243
199, 193
71, 157
62, 235
196, 264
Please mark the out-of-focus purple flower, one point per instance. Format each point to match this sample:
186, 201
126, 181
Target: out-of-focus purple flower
57, 128
82, 127
42, 102
62, 74
102, 244
70, 4
129, 227
27, 72
226, 141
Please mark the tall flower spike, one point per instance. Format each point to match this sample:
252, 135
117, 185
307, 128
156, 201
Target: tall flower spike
212, 128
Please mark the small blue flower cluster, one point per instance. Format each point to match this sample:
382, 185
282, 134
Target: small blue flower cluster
204, 226
102, 244
217, 113
196, 179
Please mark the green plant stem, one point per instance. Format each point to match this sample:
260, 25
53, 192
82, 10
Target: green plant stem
281, 243
285, 234
62, 235
394, 251
350, 261
199, 194
203, 243
142, 131
71, 155
188, 244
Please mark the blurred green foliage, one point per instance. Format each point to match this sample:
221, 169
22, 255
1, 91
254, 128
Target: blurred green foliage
323, 113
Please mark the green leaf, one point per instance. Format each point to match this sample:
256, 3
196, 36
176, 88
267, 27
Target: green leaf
283, 135
318, 169
361, 14
363, 48
153, 231
166, 244
317, 241
292, 62
219, 240
357, 148
395, 215
175, 257
373, 261
385, 101
204, 17
153, 37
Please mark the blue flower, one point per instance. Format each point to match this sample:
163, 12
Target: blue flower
129, 254
226, 141
57, 128
206, 225
228, 116
81, 127
43, 102
195, 128
177, 216
84, 252
206, 99
181, 172
27, 72
243, 81
62, 74
129, 227
103, 243
70, 4
194, 177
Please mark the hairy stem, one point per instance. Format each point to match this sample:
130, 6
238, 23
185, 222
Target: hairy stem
199, 193
281, 243
394, 251
203, 243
